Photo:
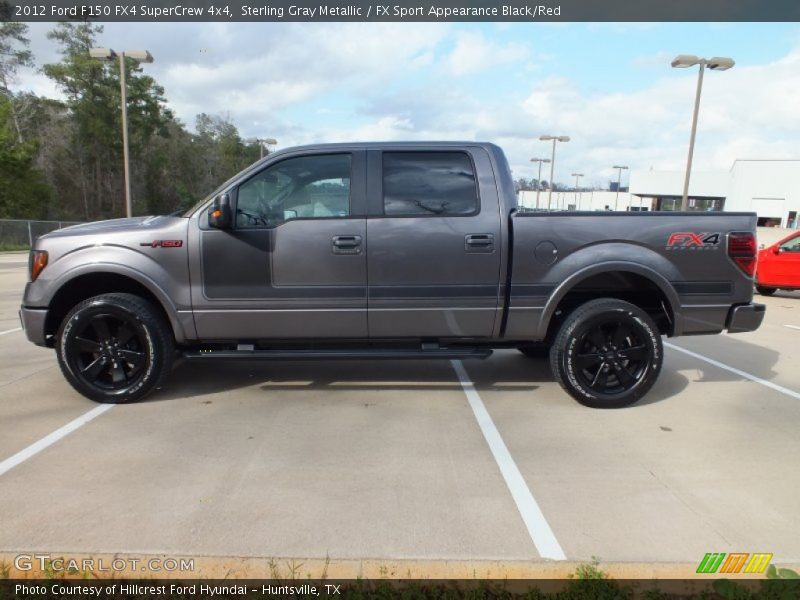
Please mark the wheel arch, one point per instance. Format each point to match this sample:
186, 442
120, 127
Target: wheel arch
83, 283
618, 273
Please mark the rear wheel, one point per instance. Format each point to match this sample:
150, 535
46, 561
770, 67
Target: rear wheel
607, 354
766, 291
115, 348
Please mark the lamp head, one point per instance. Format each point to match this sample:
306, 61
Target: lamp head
140, 55
684, 61
102, 53
720, 63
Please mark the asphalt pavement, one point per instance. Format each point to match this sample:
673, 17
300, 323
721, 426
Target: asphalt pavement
414, 460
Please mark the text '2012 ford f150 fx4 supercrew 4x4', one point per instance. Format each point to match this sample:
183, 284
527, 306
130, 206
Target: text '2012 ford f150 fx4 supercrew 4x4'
386, 250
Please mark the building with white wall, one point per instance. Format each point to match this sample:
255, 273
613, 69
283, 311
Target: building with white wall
770, 188
587, 200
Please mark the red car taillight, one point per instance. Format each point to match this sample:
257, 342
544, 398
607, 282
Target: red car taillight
742, 250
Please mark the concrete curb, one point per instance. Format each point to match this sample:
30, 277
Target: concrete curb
107, 566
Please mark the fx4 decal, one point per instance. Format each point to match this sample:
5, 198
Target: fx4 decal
686, 240
163, 244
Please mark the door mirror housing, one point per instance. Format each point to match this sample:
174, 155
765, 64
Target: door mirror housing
776, 250
219, 215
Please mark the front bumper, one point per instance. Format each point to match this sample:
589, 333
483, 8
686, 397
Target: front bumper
745, 317
33, 323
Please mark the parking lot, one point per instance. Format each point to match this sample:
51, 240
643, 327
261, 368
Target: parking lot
398, 460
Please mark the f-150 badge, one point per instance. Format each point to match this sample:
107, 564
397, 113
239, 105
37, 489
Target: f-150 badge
163, 244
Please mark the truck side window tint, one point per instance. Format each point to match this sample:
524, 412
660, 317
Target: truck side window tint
315, 186
428, 184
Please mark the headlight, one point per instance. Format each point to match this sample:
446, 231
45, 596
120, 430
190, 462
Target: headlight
38, 262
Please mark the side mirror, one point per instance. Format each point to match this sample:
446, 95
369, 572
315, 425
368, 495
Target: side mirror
219, 215
776, 250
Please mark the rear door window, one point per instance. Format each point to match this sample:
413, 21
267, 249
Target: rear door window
429, 184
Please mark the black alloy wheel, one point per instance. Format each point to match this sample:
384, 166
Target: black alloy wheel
115, 348
607, 354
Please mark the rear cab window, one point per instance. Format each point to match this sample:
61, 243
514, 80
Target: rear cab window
429, 184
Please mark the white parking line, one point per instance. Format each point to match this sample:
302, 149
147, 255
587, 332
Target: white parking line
792, 326
52, 438
10, 330
740, 373
542, 536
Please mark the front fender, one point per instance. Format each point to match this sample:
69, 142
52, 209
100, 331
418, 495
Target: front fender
164, 275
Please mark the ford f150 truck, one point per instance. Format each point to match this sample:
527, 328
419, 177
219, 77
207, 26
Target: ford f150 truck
386, 250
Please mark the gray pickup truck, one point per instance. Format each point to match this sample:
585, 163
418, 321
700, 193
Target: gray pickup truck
386, 250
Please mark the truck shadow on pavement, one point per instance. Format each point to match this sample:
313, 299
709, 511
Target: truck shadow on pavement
507, 371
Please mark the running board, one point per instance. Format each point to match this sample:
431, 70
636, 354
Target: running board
340, 354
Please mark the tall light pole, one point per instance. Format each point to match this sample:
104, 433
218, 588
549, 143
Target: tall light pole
539, 177
619, 182
683, 61
577, 177
555, 138
139, 56
261, 142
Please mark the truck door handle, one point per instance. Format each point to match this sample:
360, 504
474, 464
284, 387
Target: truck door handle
346, 244
347, 241
479, 242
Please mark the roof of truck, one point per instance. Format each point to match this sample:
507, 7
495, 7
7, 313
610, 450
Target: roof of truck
399, 144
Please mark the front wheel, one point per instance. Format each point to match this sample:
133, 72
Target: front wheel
766, 291
607, 354
115, 348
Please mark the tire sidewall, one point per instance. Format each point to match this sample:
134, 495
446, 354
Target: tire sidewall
568, 349
74, 324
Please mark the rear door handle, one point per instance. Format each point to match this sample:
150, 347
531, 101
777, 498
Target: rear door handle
479, 242
346, 244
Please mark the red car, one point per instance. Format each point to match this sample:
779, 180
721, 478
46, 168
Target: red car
779, 266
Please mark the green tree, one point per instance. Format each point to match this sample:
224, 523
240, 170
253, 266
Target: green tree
14, 54
93, 99
24, 193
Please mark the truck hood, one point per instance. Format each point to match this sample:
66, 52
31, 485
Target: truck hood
134, 224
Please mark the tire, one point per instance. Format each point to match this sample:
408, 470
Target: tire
766, 291
115, 348
540, 350
607, 354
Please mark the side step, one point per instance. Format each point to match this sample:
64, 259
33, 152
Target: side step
341, 354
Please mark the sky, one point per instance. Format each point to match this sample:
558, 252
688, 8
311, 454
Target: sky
607, 86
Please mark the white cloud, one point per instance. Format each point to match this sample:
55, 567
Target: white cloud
374, 81
473, 53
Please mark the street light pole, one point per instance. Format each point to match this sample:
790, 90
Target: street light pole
138, 56
619, 183
261, 142
539, 178
123, 90
577, 177
554, 138
682, 61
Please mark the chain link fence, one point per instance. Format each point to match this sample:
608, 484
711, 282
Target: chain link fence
19, 234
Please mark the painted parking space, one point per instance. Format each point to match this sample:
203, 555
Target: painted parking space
380, 460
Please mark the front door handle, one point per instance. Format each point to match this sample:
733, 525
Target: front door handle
346, 244
347, 241
479, 242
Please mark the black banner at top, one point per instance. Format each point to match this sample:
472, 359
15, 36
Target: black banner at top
400, 10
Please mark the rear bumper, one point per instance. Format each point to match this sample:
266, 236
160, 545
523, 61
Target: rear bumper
33, 323
745, 317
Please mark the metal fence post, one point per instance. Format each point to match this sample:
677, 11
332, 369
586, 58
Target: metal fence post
30, 235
